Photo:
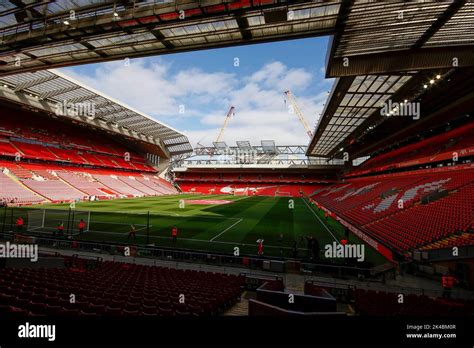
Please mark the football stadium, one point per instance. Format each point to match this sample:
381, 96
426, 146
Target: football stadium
350, 201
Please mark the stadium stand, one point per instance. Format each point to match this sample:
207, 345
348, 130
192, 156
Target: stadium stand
44, 165
86, 183
247, 184
114, 183
458, 240
54, 183
137, 185
41, 141
430, 150
115, 289
54, 190
401, 210
11, 192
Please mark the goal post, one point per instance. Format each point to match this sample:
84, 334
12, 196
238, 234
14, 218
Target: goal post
47, 220
75, 218
36, 220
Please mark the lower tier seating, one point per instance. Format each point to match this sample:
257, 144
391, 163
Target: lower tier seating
36, 183
407, 210
457, 240
12, 192
116, 289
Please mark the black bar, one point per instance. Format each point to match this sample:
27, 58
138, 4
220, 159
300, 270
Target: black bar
225, 330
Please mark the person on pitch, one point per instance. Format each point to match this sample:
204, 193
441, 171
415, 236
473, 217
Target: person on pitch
82, 225
60, 229
280, 242
309, 246
19, 224
132, 232
315, 249
260, 247
174, 234
295, 249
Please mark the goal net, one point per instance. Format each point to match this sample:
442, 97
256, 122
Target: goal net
35, 220
48, 220
283, 194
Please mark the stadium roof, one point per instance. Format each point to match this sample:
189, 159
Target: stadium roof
43, 35
351, 102
393, 36
389, 51
57, 92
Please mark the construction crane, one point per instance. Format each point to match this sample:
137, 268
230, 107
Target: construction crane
298, 112
227, 118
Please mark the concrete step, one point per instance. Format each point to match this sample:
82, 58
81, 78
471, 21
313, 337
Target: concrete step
241, 308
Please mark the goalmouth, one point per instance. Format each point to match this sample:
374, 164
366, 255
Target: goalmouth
47, 221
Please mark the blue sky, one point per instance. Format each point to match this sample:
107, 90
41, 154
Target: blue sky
192, 91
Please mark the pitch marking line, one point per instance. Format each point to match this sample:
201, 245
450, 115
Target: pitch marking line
321, 221
195, 240
228, 228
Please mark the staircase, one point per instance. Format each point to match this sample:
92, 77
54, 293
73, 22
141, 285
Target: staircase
241, 308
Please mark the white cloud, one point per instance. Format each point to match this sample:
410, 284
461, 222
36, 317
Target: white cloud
276, 75
261, 112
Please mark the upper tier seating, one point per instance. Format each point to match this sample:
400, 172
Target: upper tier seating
115, 289
40, 138
433, 149
35, 151
6, 148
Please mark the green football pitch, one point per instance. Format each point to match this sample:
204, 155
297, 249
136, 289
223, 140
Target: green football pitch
204, 225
